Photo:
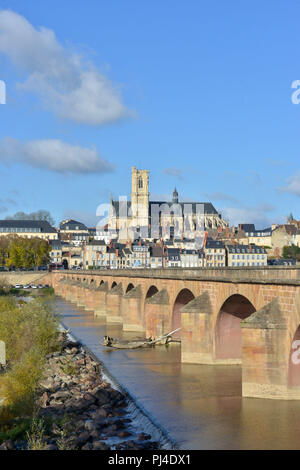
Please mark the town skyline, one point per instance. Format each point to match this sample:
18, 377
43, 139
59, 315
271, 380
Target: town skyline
193, 103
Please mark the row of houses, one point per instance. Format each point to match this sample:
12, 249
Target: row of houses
75, 245
272, 238
97, 255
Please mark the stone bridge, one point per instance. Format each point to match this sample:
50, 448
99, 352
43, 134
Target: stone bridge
247, 316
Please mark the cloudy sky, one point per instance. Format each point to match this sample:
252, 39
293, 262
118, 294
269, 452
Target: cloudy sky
199, 93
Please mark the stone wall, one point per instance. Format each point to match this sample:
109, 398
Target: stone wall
31, 277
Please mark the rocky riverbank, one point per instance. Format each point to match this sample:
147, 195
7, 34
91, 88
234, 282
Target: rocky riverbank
78, 410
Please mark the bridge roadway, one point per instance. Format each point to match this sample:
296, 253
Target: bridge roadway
247, 316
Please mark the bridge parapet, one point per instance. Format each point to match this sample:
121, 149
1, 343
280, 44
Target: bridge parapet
273, 274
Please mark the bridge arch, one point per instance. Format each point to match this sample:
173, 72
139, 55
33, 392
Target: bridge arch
183, 298
228, 332
129, 287
150, 292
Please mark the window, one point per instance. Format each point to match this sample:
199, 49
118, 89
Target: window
140, 183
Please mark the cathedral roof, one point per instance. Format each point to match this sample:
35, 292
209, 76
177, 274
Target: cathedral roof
209, 209
207, 206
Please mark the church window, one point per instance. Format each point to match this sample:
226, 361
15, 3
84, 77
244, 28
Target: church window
140, 183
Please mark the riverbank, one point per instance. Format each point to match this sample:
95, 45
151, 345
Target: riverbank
77, 409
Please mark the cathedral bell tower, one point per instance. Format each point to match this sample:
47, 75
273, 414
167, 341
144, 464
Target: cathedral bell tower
140, 197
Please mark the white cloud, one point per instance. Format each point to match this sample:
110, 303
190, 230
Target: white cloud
217, 196
53, 155
72, 88
87, 218
293, 185
258, 215
173, 172
160, 197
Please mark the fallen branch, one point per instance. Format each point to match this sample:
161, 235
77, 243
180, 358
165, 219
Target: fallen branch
114, 343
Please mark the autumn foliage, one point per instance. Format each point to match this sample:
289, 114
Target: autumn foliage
21, 252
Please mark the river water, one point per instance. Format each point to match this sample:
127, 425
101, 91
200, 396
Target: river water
199, 406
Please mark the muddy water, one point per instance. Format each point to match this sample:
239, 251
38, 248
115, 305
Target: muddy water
199, 406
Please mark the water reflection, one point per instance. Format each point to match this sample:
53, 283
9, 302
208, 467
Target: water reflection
200, 406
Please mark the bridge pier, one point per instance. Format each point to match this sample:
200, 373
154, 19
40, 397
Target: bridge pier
266, 347
157, 314
113, 304
197, 341
131, 310
71, 292
100, 300
58, 286
90, 297
82, 295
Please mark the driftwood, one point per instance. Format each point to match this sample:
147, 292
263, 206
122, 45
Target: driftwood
147, 343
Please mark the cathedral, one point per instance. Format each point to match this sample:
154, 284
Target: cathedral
142, 218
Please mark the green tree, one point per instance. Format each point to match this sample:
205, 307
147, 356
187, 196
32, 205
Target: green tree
27, 253
4, 248
41, 251
15, 254
291, 252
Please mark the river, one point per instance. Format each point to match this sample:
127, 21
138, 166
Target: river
199, 406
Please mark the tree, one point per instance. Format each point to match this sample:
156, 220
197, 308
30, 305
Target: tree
38, 215
41, 251
292, 251
27, 253
16, 253
4, 247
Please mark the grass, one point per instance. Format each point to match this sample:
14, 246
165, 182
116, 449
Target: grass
30, 332
64, 428
35, 436
15, 431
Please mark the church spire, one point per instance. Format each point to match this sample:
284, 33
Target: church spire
175, 196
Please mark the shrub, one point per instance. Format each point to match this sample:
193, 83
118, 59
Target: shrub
16, 431
18, 386
30, 333
32, 325
36, 435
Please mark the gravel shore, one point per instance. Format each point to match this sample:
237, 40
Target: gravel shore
84, 411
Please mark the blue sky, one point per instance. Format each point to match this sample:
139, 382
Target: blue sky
197, 92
